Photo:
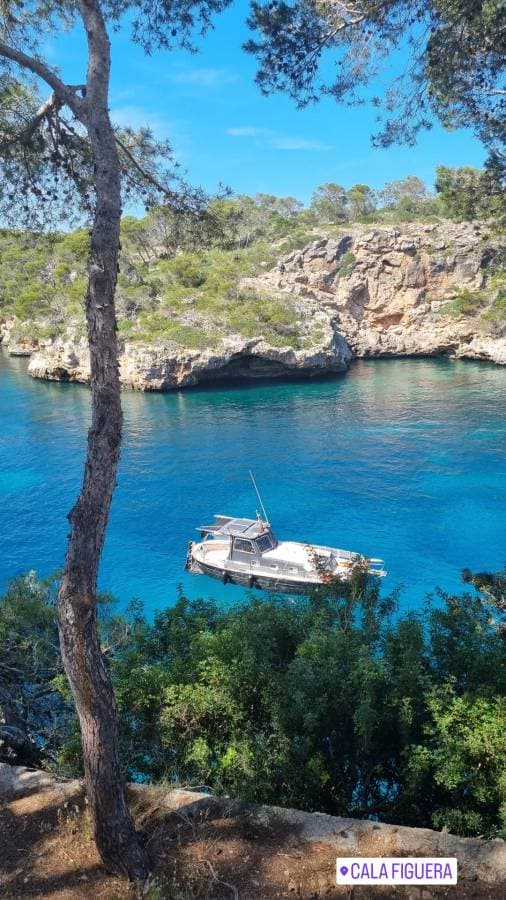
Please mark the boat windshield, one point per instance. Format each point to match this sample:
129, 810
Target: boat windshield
265, 542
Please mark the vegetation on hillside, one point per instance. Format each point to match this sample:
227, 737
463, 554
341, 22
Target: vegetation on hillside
335, 703
180, 276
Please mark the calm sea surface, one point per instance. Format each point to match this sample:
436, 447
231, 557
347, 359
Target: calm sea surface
401, 459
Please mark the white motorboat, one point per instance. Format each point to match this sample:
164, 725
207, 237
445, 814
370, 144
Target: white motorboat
247, 552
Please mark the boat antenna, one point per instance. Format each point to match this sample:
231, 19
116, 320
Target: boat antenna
262, 507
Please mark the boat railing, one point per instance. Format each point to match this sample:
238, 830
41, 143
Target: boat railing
376, 567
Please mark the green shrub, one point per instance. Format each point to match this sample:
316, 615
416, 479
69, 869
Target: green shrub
188, 270
297, 241
254, 315
348, 263
189, 336
334, 703
464, 304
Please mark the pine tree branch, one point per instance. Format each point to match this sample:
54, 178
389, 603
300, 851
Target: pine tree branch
52, 104
65, 92
147, 176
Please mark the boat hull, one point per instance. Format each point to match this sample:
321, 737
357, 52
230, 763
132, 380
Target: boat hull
262, 582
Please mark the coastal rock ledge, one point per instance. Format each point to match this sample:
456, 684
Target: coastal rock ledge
162, 368
356, 292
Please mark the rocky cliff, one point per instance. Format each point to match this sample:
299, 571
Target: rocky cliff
360, 292
425, 290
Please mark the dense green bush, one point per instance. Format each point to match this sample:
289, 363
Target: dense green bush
466, 193
333, 703
35, 719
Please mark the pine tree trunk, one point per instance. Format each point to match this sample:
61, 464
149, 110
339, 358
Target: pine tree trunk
84, 663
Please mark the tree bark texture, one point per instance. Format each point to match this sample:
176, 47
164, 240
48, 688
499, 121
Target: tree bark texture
114, 832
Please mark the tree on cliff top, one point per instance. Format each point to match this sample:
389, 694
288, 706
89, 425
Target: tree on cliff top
469, 193
329, 203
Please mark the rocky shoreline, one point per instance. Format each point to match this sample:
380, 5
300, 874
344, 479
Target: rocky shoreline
423, 290
160, 368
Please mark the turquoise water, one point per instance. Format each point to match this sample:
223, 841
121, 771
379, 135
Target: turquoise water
402, 459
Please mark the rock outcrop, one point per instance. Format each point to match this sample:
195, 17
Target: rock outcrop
8, 338
161, 368
422, 290
19, 780
419, 290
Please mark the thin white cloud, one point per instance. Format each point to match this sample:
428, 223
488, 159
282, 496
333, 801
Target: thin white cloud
288, 143
203, 77
136, 117
121, 96
268, 138
247, 131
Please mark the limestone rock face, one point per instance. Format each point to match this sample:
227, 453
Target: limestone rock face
395, 292
20, 780
164, 367
8, 337
62, 360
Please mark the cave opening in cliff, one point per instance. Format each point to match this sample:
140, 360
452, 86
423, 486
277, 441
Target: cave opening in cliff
248, 367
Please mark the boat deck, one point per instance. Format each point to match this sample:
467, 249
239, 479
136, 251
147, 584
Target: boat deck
213, 552
289, 552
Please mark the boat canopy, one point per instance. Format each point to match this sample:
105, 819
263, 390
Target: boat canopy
230, 527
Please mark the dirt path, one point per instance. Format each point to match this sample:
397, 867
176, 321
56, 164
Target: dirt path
47, 851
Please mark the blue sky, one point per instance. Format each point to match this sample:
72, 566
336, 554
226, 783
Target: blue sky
224, 130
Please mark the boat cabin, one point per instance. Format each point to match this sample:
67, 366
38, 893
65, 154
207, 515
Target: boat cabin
249, 538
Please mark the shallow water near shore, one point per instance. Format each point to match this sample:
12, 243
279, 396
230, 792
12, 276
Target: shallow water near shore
401, 459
